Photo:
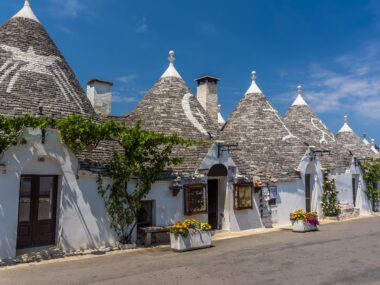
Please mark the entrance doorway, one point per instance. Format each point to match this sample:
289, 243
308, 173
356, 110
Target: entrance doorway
308, 192
213, 203
216, 175
354, 188
37, 211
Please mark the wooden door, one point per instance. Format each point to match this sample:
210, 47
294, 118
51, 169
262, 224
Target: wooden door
308, 192
37, 211
354, 191
213, 203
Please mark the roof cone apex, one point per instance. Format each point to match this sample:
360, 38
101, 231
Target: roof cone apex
253, 88
346, 128
171, 71
26, 12
299, 100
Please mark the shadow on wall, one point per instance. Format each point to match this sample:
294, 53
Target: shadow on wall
85, 223
8, 232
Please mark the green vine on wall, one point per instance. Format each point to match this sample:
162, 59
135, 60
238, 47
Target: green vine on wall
330, 203
143, 157
371, 175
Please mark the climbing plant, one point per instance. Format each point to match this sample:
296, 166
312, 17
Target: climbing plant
371, 175
330, 203
140, 161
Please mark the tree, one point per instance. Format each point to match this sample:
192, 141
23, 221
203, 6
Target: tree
330, 203
371, 173
145, 158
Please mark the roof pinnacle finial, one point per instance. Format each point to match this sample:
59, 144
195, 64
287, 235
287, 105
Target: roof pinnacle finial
253, 89
171, 71
346, 128
299, 89
253, 75
26, 12
171, 56
373, 142
299, 100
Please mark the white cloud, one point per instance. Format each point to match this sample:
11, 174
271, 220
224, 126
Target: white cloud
127, 78
123, 99
142, 25
350, 83
67, 8
65, 30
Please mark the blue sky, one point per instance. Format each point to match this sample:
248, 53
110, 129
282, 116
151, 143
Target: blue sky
331, 47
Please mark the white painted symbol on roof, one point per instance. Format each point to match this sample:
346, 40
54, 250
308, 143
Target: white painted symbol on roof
289, 135
324, 132
189, 114
200, 114
32, 62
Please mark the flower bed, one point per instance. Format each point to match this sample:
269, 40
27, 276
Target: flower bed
189, 235
304, 222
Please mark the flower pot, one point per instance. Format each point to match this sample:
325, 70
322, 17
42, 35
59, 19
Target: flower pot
303, 226
193, 241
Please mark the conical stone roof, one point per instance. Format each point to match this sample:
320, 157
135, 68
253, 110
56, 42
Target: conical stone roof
309, 128
347, 137
34, 72
266, 146
169, 107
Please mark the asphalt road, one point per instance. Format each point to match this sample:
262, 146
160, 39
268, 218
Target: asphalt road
343, 253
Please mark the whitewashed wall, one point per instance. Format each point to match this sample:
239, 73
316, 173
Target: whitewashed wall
344, 187
232, 220
291, 196
169, 209
343, 184
82, 222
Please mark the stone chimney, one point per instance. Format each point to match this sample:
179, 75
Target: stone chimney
100, 95
207, 95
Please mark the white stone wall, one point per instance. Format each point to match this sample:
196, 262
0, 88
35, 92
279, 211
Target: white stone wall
169, 209
100, 96
82, 221
291, 197
344, 187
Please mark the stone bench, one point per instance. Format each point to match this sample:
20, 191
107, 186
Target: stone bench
149, 231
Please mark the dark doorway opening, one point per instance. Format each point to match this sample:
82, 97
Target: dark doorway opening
308, 192
37, 211
145, 215
354, 191
213, 203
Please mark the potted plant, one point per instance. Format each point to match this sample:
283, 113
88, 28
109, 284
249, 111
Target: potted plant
189, 235
304, 222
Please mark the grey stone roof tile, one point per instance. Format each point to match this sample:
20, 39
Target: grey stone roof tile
266, 147
307, 126
33, 72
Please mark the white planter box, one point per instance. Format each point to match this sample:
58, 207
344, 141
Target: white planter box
302, 227
193, 241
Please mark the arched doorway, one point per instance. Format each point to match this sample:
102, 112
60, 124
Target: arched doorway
217, 177
309, 185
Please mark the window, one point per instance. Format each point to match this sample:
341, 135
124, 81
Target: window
243, 196
195, 199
